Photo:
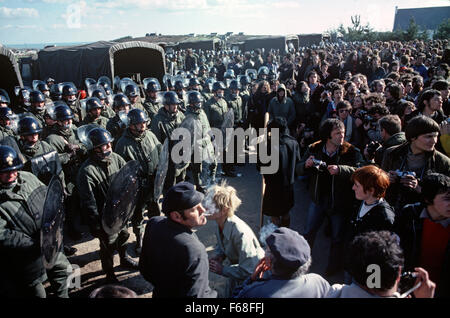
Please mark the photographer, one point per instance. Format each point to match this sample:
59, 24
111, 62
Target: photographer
352, 135
381, 249
411, 161
390, 131
330, 163
424, 230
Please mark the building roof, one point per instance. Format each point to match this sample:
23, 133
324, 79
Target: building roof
425, 18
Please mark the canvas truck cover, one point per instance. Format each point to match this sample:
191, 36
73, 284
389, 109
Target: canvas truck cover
10, 72
75, 63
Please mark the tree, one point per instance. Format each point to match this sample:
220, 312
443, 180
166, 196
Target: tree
443, 30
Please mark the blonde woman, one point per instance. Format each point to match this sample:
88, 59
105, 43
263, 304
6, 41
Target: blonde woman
237, 250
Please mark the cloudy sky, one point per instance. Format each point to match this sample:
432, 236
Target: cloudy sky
48, 21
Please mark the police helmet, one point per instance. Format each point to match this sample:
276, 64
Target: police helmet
93, 103
171, 98
137, 116
263, 70
179, 85
37, 97
153, 86
4, 99
42, 87
245, 80
131, 90
193, 82
63, 112
195, 98
213, 70
229, 74
9, 160
68, 90
28, 126
99, 137
98, 93
120, 100
5, 113
234, 84
217, 86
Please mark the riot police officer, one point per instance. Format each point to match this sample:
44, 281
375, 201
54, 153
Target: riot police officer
22, 271
132, 92
263, 73
180, 91
162, 125
23, 98
29, 142
194, 84
93, 181
139, 143
37, 107
115, 126
107, 111
168, 117
44, 89
234, 101
64, 140
216, 107
93, 113
152, 104
6, 117
69, 96
195, 111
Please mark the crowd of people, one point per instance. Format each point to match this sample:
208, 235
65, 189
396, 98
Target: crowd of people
364, 125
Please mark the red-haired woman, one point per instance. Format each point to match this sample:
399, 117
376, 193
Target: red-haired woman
375, 214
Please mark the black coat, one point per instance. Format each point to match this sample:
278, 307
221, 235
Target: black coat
409, 226
279, 194
379, 218
174, 261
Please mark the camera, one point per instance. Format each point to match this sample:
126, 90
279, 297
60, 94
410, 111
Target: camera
402, 174
320, 165
373, 147
407, 281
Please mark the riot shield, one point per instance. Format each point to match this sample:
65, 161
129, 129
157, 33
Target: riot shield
116, 83
123, 118
83, 132
89, 82
46, 166
192, 129
124, 82
92, 88
5, 94
168, 80
228, 122
36, 83
52, 222
104, 79
161, 171
122, 197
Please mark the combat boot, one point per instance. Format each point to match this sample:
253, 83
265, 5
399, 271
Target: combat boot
126, 261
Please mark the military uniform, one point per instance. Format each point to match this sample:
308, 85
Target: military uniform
235, 103
101, 121
6, 132
39, 116
107, 112
77, 112
116, 127
93, 181
215, 110
173, 175
145, 149
22, 270
167, 121
197, 167
152, 107
63, 142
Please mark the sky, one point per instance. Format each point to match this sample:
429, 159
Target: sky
60, 21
